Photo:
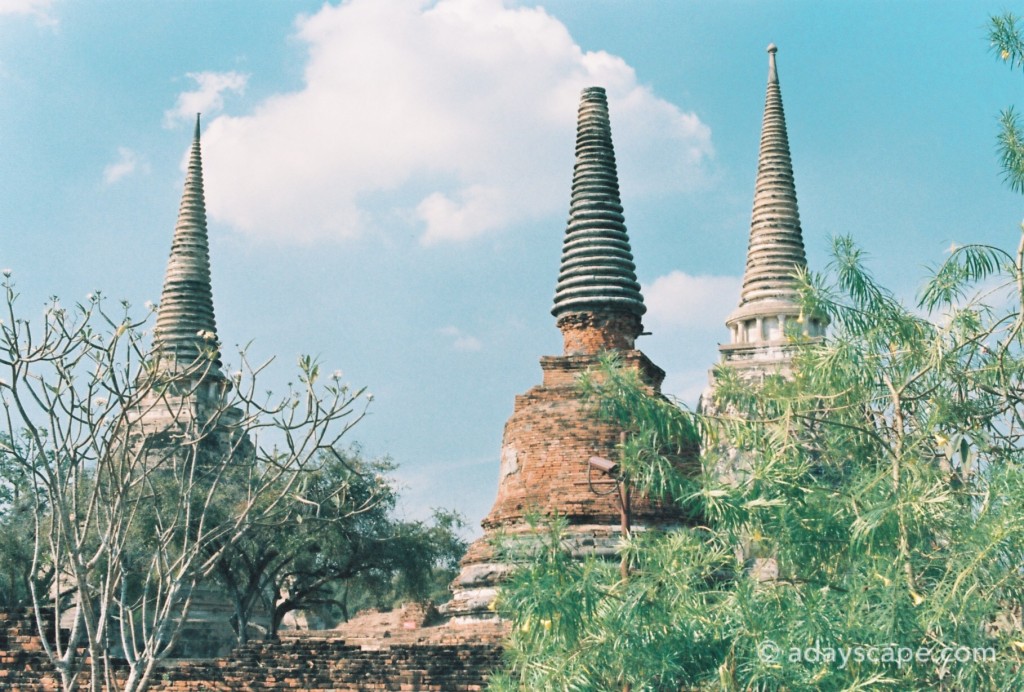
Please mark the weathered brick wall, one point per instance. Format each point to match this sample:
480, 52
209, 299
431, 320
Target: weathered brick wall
589, 333
544, 469
547, 444
23, 663
446, 660
313, 663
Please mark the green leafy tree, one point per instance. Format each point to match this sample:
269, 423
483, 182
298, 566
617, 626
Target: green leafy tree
414, 560
339, 549
883, 479
335, 498
15, 533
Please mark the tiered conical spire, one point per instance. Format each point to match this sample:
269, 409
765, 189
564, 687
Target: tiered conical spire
597, 274
776, 247
769, 301
185, 324
552, 432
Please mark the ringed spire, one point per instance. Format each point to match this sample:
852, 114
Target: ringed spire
186, 329
769, 303
597, 272
776, 248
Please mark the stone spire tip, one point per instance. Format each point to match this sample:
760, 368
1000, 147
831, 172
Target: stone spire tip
776, 248
597, 282
597, 272
185, 325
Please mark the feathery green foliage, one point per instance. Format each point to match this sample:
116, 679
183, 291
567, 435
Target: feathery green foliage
872, 506
1006, 41
861, 515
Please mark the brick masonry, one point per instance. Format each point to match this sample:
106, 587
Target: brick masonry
545, 470
593, 332
432, 658
547, 444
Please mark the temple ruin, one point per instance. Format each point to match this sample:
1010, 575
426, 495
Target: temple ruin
550, 435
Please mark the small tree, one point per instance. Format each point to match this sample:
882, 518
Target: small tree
15, 533
412, 560
342, 538
335, 498
128, 517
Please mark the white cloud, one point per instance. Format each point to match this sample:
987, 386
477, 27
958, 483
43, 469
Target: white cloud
457, 114
679, 300
128, 162
40, 9
687, 385
208, 98
477, 210
460, 340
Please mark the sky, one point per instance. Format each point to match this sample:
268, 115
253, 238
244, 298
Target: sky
387, 181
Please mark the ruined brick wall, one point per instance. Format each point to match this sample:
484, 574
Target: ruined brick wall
588, 333
23, 663
546, 447
313, 663
545, 470
449, 660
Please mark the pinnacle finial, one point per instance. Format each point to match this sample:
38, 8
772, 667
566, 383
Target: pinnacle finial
186, 330
776, 249
597, 273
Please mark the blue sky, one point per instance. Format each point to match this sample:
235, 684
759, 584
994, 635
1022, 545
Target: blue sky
388, 180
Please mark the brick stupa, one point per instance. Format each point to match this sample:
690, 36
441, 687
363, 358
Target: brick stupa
552, 434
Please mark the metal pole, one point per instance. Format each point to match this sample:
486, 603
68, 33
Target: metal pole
624, 525
624, 507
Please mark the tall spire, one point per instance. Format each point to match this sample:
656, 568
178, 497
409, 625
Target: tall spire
552, 432
775, 254
185, 324
597, 277
776, 247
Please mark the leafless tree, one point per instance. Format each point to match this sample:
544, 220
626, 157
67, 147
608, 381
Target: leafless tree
144, 475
